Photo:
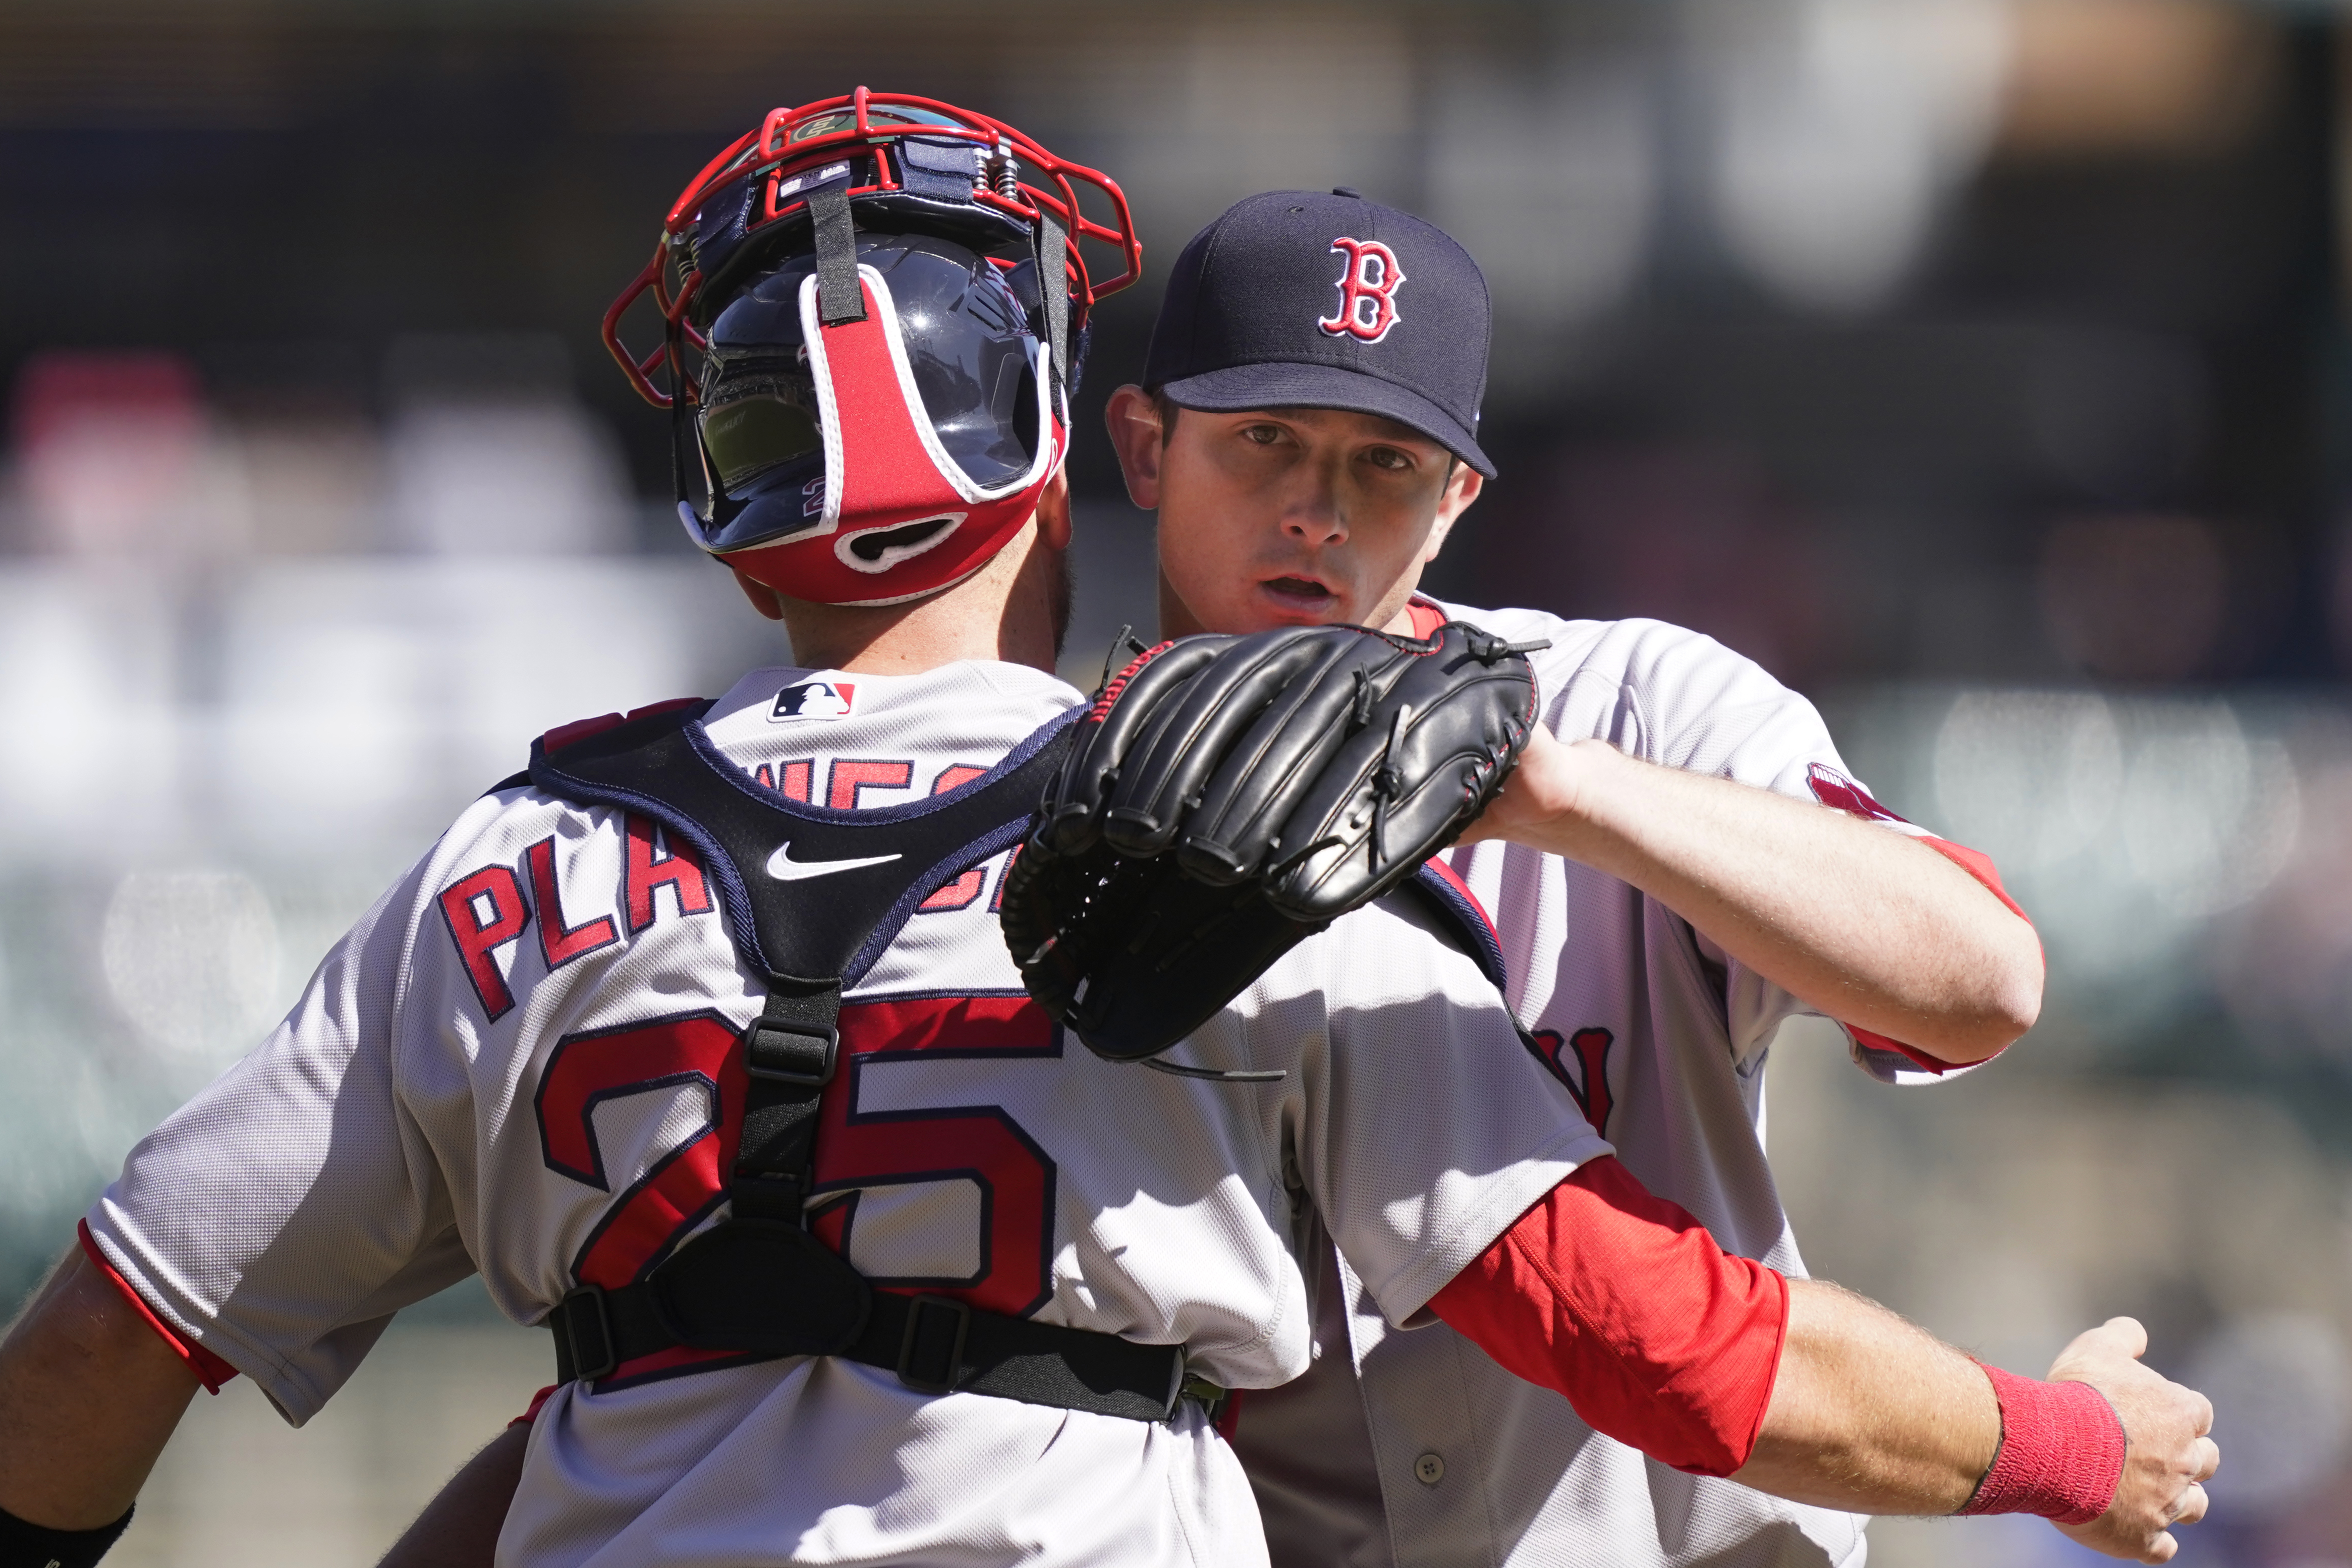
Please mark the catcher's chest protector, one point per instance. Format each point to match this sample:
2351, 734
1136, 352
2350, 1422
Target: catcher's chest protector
759, 1283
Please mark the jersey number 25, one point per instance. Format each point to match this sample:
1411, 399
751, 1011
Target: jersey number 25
972, 1155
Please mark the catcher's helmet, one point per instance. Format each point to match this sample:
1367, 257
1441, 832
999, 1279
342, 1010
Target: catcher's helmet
871, 327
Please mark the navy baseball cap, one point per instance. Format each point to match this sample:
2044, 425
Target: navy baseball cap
1304, 299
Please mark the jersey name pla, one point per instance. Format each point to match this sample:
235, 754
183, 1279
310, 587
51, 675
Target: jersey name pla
485, 908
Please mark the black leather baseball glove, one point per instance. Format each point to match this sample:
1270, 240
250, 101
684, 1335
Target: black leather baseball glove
1227, 798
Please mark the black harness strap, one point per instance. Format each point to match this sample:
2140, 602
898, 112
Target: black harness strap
789, 1053
935, 1345
758, 1283
838, 298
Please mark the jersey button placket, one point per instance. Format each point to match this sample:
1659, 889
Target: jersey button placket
1429, 1469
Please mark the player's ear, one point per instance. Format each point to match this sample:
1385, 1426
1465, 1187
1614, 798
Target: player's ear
1462, 486
1054, 513
1133, 421
763, 598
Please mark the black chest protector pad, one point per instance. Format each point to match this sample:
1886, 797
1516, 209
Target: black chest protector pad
760, 844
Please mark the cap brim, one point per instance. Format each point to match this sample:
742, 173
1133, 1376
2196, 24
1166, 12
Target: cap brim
1244, 387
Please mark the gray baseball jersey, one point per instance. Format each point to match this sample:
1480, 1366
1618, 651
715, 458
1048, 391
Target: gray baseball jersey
1431, 1457
523, 1061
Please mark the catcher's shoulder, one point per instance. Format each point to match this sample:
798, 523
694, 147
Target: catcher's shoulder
514, 812
501, 826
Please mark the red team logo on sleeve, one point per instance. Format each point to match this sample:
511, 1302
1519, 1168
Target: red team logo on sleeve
1366, 291
1832, 787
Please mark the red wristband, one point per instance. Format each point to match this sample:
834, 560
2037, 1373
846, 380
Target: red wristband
2060, 1454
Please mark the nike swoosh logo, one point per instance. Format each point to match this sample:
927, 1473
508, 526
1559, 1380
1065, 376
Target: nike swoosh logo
784, 869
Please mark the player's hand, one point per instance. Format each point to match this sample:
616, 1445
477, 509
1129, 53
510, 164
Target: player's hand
2168, 1456
1539, 798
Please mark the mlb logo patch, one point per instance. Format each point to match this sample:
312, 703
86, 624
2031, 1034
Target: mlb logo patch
814, 700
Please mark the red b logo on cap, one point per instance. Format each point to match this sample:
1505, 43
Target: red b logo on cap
1366, 291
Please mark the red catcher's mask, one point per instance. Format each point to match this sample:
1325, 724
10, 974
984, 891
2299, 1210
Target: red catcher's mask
872, 325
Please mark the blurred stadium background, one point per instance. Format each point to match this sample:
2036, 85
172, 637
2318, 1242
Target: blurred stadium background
1977, 366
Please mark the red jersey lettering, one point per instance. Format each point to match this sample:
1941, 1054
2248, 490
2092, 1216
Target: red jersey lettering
485, 911
650, 870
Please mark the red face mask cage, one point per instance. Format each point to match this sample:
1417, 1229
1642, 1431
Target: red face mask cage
768, 153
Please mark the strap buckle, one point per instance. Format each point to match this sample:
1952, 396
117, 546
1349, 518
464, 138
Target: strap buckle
782, 1053
916, 1307
1212, 1398
587, 1331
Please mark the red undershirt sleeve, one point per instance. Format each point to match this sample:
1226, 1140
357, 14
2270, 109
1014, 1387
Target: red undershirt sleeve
1622, 1302
210, 1370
